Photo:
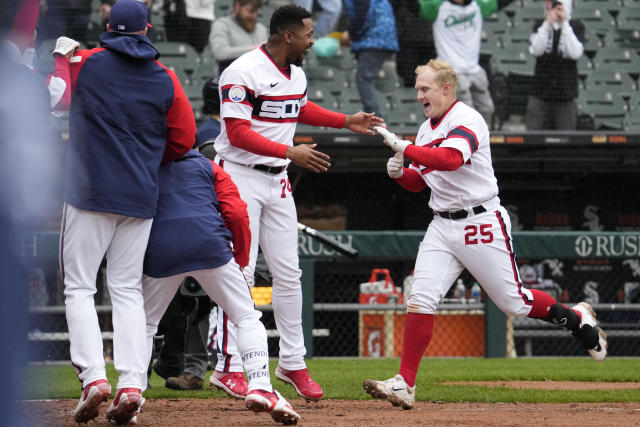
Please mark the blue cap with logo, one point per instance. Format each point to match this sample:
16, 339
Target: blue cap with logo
128, 16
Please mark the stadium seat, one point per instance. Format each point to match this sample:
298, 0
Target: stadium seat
178, 55
606, 109
513, 59
624, 59
222, 8
611, 80
525, 18
203, 73
496, 23
594, 16
512, 72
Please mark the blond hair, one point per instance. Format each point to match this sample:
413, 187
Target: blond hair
444, 72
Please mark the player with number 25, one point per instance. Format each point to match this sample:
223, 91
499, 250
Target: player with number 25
470, 229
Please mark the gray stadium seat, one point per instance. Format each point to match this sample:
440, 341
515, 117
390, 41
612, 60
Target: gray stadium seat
606, 109
625, 59
611, 80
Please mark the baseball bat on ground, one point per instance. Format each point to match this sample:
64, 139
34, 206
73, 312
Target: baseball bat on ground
329, 241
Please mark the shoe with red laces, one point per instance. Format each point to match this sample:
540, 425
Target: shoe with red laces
92, 396
234, 383
303, 383
125, 406
273, 403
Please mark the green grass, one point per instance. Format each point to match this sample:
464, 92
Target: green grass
342, 379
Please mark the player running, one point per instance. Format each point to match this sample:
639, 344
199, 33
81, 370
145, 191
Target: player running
191, 235
264, 95
470, 229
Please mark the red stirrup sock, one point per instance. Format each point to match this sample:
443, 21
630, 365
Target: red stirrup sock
418, 330
542, 303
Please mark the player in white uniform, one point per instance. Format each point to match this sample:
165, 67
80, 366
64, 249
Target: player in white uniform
264, 95
470, 229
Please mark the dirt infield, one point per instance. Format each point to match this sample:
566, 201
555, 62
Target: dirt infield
228, 412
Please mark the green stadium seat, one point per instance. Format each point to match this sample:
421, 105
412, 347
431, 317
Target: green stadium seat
222, 8
178, 56
525, 18
624, 59
611, 80
513, 59
497, 23
607, 110
594, 16
202, 74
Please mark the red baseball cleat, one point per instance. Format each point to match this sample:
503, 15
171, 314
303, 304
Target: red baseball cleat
273, 403
303, 383
234, 383
92, 396
125, 406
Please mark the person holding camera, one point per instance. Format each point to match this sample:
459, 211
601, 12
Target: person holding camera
556, 42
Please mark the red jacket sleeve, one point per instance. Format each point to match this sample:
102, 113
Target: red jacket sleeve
241, 136
234, 212
314, 115
181, 125
60, 91
411, 180
436, 158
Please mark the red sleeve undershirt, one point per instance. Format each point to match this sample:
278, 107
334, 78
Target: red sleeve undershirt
61, 70
241, 135
234, 212
314, 115
436, 158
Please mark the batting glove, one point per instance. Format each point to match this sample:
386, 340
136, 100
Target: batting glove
65, 45
395, 165
392, 140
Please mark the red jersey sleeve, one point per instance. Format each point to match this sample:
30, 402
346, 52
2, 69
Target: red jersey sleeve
411, 180
241, 136
437, 158
234, 212
60, 88
314, 115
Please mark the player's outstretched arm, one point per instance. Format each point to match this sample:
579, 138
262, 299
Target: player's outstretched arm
305, 156
362, 122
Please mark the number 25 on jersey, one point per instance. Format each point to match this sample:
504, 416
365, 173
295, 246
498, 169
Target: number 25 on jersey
471, 234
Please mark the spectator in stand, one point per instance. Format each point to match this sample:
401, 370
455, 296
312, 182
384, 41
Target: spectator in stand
327, 19
415, 39
232, 36
556, 42
189, 21
63, 18
373, 39
457, 32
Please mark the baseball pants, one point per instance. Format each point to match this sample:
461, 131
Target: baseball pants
227, 287
85, 238
482, 244
274, 228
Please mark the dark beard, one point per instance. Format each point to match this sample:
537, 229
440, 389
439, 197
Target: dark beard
299, 60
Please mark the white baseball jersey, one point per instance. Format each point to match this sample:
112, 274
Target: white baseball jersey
464, 129
254, 88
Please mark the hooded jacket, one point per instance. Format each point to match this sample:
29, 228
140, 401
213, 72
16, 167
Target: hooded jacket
128, 114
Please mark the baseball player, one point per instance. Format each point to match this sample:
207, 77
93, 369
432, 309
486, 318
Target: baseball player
128, 113
470, 229
198, 232
264, 95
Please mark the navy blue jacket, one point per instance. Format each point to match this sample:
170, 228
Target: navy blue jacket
200, 213
128, 113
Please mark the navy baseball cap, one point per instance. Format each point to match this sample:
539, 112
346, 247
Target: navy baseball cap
128, 16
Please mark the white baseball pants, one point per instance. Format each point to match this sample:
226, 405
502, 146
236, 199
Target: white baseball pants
483, 245
227, 287
85, 238
274, 227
